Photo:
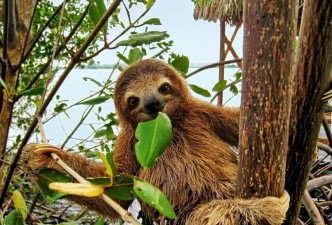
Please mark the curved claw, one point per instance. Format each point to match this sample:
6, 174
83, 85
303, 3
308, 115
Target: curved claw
285, 198
327, 95
46, 149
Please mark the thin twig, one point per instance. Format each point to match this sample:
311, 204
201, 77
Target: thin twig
212, 66
125, 214
59, 49
52, 93
40, 33
131, 25
50, 72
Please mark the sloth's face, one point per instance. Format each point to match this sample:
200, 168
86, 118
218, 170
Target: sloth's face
146, 98
146, 88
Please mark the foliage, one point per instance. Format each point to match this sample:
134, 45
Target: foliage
148, 149
86, 120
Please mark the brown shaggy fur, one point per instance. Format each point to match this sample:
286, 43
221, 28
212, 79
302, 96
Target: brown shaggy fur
198, 170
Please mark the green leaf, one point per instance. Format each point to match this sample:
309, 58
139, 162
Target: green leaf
33, 91
69, 223
238, 75
200, 90
96, 10
220, 85
234, 89
93, 80
47, 176
122, 188
101, 181
139, 39
149, 4
102, 9
60, 107
14, 218
100, 221
135, 54
20, 204
100, 133
123, 58
109, 157
153, 138
96, 101
109, 169
154, 197
181, 64
152, 21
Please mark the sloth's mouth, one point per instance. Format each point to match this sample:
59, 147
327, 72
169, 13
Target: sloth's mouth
143, 117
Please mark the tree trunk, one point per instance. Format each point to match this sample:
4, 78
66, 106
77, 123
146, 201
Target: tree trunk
311, 79
269, 28
19, 18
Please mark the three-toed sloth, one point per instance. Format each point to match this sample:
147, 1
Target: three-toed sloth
198, 170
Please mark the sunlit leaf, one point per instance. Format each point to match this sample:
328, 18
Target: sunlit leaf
153, 138
199, 90
97, 100
86, 190
181, 64
154, 197
139, 39
220, 85
109, 170
149, 4
20, 204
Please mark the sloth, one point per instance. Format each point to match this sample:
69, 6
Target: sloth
198, 170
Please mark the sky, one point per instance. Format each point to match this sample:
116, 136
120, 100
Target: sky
199, 40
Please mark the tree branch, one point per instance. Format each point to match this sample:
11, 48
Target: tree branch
52, 93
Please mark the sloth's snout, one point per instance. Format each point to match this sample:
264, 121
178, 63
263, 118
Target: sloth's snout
153, 105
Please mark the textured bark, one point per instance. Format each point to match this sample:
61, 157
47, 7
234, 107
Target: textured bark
19, 19
268, 49
311, 79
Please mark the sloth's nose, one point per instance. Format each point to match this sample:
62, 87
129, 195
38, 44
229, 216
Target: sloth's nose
153, 105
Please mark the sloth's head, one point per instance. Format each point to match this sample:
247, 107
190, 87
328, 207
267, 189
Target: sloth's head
146, 88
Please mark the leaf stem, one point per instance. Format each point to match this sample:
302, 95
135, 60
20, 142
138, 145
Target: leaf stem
143, 174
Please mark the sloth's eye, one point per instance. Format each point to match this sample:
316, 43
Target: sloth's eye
164, 89
133, 101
